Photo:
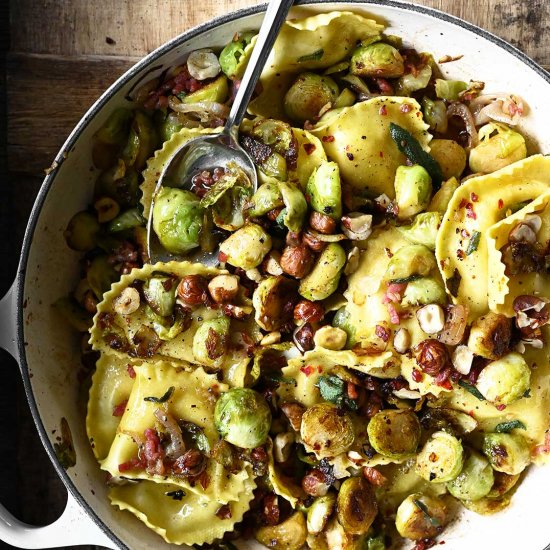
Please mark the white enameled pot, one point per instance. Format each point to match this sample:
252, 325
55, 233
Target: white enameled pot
48, 351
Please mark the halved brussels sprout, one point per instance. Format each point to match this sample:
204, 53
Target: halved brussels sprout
217, 91
424, 291
356, 505
210, 341
503, 484
82, 230
413, 190
291, 534
441, 199
308, 94
277, 134
319, 513
450, 420
295, 209
267, 197
325, 190
160, 294
423, 229
507, 453
498, 147
101, 275
449, 89
119, 183
421, 516
412, 82
394, 433
167, 124
435, 114
441, 459
345, 99
377, 60
323, 279
234, 55
116, 127
490, 335
127, 220
327, 430
450, 156
505, 380
342, 320
410, 261
246, 247
177, 220
243, 418
474, 481
141, 141
270, 299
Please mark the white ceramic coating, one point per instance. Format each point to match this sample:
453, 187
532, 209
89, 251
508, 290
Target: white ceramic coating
52, 349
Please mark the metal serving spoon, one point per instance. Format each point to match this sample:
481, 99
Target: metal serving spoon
213, 151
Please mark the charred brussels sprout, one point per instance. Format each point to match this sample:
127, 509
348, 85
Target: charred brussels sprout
395, 434
450, 156
243, 418
423, 230
377, 60
209, 342
421, 516
323, 279
246, 247
177, 220
160, 294
308, 94
507, 453
474, 481
291, 534
413, 190
490, 335
325, 191
498, 147
424, 291
234, 56
441, 458
327, 430
270, 299
319, 513
356, 505
267, 197
141, 141
217, 91
409, 262
506, 380
82, 231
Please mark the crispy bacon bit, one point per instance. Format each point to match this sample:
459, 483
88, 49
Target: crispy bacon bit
118, 410
405, 108
394, 293
132, 464
373, 476
131, 371
308, 370
500, 204
328, 139
443, 378
473, 197
203, 181
309, 148
545, 447
224, 512
470, 211
382, 332
394, 315
424, 544
383, 111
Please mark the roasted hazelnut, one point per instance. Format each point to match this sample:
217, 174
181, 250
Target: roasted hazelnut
223, 288
322, 223
373, 476
193, 290
294, 413
293, 239
432, 356
308, 312
224, 512
303, 338
236, 312
297, 261
190, 464
531, 312
312, 242
270, 510
272, 215
126, 303
314, 483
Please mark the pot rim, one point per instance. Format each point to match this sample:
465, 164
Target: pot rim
91, 113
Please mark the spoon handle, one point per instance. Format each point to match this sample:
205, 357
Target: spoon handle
275, 16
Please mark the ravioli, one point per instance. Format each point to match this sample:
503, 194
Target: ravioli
315, 42
360, 142
111, 387
503, 289
157, 163
426, 385
190, 520
180, 348
477, 205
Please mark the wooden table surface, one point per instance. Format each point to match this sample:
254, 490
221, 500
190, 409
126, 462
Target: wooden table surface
59, 56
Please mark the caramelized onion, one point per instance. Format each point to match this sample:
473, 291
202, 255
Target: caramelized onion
176, 447
455, 325
460, 110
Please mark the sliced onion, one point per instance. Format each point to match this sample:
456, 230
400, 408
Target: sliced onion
333, 238
455, 325
460, 110
357, 226
176, 447
502, 107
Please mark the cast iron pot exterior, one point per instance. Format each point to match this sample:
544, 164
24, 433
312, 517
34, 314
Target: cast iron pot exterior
48, 351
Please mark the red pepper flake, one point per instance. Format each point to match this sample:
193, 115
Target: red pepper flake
132, 464
500, 204
463, 203
405, 108
319, 369
383, 111
473, 197
309, 148
131, 371
381, 154
118, 410
327, 139
350, 156
307, 370
460, 254
382, 333
417, 375
500, 407
222, 256
465, 234
470, 211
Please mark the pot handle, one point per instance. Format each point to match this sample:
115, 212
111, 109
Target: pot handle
73, 528
8, 321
